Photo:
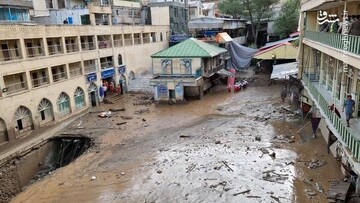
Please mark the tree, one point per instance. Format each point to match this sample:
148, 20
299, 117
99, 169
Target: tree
288, 19
255, 11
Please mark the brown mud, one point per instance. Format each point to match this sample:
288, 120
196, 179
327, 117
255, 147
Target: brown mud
228, 147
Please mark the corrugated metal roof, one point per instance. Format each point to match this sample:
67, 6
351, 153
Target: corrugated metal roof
190, 48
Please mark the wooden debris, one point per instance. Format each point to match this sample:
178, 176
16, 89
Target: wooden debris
240, 193
227, 166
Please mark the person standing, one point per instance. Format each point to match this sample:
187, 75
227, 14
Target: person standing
283, 94
349, 107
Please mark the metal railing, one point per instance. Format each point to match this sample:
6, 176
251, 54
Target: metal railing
104, 44
35, 51
137, 40
107, 64
335, 40
72, 47
75, 72
55, 49
118, 43
87, 46
90, 68
146, 40
16, 87
347, 137
128, 41
59, 77
40, 81
10, 54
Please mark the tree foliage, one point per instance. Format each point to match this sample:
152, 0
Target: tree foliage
255, 11
288, 19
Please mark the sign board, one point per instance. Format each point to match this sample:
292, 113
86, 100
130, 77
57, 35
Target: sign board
91, 77
107, 73
122, 69
162, 91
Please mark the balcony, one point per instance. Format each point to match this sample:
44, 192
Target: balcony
15, 83
345, 135
335, 40
212, 71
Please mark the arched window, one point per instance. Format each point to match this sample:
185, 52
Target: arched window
120, 61
3, 132
45, 110
79, 98
23, 120
64, 104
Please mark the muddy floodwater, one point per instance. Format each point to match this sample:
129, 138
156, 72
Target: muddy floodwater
228, 147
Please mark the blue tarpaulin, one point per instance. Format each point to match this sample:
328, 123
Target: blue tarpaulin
240, 55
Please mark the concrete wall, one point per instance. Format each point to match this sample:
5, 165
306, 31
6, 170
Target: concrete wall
160, 15
40, 8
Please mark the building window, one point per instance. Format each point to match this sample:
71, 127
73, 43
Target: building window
63, 104
120, 61
45, 110
23, 120
79, 98
161, 37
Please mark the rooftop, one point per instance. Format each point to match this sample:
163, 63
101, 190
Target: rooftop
190, 48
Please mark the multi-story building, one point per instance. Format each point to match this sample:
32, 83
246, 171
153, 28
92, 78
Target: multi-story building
51, 72
329, 70
178, 14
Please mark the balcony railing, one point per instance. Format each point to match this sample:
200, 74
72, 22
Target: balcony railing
118, 43
35, 51
75, 72
37, 82
59, 77
214, 70
137, 40
87, 46
55, 49
72, 47
16, 87
104, 44
106, 64
90, 68
346, 135
335, 40
128, 41
10, 54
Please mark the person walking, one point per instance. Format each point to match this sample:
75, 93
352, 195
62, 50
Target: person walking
349, 107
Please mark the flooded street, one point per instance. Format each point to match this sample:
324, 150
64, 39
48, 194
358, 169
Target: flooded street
228, 147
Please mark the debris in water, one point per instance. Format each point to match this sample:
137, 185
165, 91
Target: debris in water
310, 192
258, 138
106, 114
126, 117
122, 123
240, 193
218, 142
316, 164
184, 136
159, 171
93, 177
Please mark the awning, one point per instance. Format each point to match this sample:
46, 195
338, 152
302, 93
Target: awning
283, 71
225, 73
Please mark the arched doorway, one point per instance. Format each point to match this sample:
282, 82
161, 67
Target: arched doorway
79, 97
46, 112
122, 83
93, 95
64, 104
120, 61
3, 132
23, 121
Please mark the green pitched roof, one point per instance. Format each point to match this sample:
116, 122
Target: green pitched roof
191, 48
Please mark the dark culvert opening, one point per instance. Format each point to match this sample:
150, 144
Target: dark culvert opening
36, 163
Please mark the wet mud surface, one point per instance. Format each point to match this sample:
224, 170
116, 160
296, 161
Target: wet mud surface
228, 147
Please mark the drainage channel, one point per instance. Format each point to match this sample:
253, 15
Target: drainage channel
34, 164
